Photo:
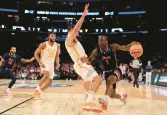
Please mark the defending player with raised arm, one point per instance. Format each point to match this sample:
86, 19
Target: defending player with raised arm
77, 53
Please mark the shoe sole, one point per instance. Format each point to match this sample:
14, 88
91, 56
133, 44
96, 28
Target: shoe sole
92, 110
103, 106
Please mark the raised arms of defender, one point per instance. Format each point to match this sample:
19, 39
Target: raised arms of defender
71, 38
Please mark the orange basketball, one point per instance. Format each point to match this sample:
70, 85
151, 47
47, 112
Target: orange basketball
136, 50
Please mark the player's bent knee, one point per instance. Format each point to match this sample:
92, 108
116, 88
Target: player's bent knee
91, 75
112, 79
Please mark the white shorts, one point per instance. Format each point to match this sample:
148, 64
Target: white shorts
85, 71
50, 69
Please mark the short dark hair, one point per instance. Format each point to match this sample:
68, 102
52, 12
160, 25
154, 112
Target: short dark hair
51, 33
70, 27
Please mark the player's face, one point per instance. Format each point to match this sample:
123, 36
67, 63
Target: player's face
102, 41
52, 38
13, 50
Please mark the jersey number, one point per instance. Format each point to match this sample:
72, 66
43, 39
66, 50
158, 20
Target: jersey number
10, 62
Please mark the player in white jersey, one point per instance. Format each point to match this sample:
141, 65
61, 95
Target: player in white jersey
76, 51
49, 54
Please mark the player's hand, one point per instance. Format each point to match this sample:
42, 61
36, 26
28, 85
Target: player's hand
41, 64
32, 59
86, 10
84, 60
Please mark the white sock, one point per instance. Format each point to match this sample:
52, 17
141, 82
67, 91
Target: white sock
90, 97
122, 96
39, 89
106, 98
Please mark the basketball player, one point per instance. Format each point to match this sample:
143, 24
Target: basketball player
49, 54
79, 57
10, 61
107, 54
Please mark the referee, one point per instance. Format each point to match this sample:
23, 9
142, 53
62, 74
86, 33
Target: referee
136, 65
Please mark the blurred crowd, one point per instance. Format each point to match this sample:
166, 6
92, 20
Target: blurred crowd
32, 70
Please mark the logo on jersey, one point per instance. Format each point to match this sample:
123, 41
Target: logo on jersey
51, 52
106, 59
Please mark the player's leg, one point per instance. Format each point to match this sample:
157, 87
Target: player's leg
13, 77
92, 82
43, 84
109, 91
137, 77
147, 76
150, 73
44, 78
47, 83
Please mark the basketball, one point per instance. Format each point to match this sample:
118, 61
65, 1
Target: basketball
136, 50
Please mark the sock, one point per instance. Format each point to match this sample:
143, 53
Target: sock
122, 96
39, 89
90, 97
106, 98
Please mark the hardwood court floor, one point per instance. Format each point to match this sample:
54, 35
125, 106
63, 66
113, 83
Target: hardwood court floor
67, 98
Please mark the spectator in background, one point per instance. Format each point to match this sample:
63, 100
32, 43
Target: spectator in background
1, 61
124, 71
149, 70
121, 67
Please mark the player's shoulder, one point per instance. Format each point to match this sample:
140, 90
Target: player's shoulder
96, 49
42, 45
57, 44
6, 54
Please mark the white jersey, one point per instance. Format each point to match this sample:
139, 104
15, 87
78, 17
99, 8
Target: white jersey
48, 53
76, 52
